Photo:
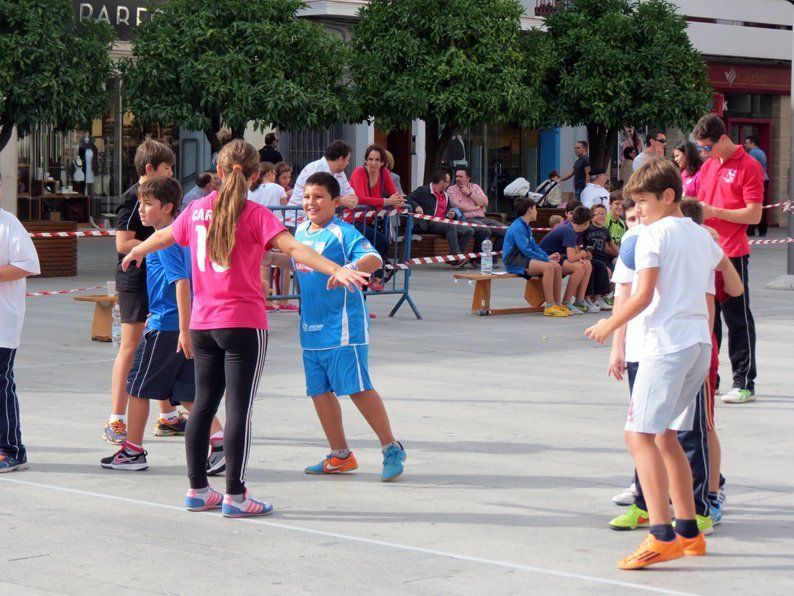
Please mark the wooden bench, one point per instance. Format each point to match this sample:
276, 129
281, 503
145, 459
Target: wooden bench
481, 301
102, 325
57, 256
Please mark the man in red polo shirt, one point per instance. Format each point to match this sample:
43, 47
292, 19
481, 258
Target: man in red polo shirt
732, 193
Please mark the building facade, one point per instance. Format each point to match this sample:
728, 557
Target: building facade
747, 47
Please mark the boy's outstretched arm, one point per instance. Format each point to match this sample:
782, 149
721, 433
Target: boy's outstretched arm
634, 305
183, 303
345, 276
733, 283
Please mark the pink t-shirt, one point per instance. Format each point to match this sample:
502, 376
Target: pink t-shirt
227, 297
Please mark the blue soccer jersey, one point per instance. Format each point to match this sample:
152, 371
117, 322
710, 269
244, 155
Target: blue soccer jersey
163, 269
332, 318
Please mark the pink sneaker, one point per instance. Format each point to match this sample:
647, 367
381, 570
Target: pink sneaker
250, 507
270, 308
289, 308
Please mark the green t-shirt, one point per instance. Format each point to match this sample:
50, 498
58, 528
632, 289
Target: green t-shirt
616, 227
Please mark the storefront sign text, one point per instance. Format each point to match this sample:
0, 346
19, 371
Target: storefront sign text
125, 16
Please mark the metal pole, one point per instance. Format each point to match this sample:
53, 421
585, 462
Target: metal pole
786, 282
790, 214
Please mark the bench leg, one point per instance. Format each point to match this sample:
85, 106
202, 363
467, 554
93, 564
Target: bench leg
482, 296
533, 293
102, 325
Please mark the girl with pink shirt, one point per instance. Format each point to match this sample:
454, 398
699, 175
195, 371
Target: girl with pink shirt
228, 236
687, 157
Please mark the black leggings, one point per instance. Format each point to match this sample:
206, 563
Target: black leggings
228, 360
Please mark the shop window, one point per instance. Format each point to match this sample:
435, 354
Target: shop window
80, 174
748, 105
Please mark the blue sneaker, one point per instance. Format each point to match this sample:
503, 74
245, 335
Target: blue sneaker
716, 514
194, 502
12, 464
393, 459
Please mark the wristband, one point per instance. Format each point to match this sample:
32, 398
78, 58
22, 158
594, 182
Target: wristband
353, 266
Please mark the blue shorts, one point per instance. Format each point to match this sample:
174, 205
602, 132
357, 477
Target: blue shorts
159, 372
343, 370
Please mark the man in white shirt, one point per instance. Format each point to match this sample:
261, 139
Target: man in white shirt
18, 259
595, 193
655, 146
334, 161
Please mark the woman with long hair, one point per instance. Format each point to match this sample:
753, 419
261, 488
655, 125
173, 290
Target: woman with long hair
687, 158
228, 236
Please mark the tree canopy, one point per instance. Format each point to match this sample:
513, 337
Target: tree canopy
612, 63
53, 71
204, 64
451, 63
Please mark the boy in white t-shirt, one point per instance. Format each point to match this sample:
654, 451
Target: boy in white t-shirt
18, 259
674, 259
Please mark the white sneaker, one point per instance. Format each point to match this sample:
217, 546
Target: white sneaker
602, 304
738, 396
592, 307
627, 497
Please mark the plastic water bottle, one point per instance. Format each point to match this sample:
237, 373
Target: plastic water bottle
116, 326
486, 261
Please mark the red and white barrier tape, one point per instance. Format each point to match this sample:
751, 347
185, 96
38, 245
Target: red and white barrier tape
785, 204
776, 241
359, 215
59, 292
455, 222
85, 234
440, 259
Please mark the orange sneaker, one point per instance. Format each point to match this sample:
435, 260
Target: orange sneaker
694, 547
334, 465
653, 551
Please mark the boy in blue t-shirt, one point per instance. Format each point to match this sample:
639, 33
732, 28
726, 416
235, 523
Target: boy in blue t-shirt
163, 365
334, 330
522, 256
564, 240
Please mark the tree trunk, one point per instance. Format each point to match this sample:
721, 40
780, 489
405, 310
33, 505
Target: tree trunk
212, 133
602, 141
6, 128
435, 145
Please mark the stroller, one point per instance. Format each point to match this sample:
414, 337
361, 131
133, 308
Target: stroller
520, 187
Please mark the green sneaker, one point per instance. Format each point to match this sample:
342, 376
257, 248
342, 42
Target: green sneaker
738, 396
705, 524
633, 518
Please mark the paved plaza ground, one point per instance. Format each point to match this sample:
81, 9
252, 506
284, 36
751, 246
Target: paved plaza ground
514, 440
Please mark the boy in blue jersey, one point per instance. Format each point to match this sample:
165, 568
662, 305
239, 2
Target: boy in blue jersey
523, 256
334, 330
163, 365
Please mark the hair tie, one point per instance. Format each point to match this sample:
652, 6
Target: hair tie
237, 166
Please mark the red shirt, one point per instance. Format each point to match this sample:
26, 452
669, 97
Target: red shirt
372, 195
732, 184
441, 204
